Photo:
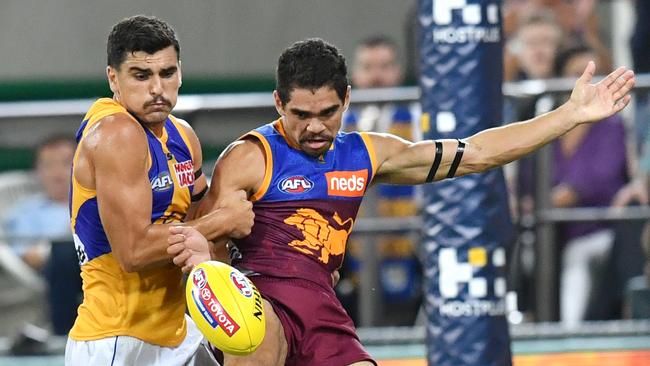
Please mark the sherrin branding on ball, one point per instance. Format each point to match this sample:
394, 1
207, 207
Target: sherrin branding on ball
226, 307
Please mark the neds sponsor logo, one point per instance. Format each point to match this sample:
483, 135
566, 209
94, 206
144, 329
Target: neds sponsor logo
347, 183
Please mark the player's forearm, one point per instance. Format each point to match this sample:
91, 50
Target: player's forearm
145, 251
215, 225
498, 146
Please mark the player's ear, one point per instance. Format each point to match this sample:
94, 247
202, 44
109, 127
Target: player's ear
111, 75
180, 75
278, 103
346, 101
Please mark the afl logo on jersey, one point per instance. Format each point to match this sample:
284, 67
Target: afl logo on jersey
162, 182
295, 184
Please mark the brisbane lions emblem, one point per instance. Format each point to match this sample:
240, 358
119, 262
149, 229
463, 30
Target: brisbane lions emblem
321, 239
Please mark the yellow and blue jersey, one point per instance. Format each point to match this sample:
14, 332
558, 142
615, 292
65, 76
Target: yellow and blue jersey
149, 304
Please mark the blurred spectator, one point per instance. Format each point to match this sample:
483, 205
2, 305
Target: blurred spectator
575, 21
589, 153
575, 16
532, 50
376, 66
45, 215
531, 54
39, 231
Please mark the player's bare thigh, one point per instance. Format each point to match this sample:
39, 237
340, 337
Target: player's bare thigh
272, 351
362, 363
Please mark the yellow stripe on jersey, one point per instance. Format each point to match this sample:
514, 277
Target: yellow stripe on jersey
367, 140
181, 130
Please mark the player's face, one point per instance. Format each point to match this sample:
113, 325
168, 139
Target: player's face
147, 84
312, 118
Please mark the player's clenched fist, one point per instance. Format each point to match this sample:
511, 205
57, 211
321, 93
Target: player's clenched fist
241, 213
188, 247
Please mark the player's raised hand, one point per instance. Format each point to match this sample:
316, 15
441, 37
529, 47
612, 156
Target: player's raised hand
593, 102
188, 247
240, 212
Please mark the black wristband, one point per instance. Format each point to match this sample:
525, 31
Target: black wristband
198, 196
459, 155
436, 163
198, 173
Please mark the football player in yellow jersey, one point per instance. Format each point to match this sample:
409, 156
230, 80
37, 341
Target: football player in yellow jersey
136, 172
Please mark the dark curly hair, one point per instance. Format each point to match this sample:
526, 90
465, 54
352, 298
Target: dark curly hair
139, 33
311, 64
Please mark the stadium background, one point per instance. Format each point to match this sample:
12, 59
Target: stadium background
55, 51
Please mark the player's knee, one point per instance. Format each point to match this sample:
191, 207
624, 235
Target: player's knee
277, 341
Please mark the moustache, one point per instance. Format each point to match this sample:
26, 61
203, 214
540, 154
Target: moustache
320, 137
158, 100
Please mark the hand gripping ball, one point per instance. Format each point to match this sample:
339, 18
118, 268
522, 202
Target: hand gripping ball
226, 307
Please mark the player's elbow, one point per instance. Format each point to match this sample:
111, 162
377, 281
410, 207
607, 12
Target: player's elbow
478, 159
476, 163
129, 263
128, 266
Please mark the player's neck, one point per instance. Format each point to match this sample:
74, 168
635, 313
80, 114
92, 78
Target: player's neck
156, 128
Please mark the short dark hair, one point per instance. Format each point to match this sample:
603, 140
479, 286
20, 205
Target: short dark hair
311, 64
139, 33
379, 40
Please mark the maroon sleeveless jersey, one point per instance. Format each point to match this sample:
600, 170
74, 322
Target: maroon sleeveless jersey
306, 206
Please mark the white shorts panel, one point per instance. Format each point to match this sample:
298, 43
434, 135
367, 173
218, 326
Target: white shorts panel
130, 351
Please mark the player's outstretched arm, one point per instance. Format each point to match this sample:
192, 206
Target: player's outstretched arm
403, 162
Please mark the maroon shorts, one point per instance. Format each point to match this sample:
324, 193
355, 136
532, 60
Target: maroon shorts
317, 328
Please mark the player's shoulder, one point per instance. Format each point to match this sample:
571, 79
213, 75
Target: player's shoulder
380, 138
120, 123
246, 150
118, 129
